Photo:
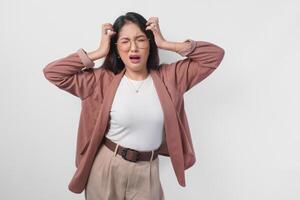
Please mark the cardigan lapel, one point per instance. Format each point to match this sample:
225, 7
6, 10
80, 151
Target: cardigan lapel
107, 103
172, 128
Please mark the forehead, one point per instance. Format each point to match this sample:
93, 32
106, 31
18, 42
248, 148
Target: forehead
130, 30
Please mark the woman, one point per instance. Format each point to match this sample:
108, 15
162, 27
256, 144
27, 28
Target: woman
132, 107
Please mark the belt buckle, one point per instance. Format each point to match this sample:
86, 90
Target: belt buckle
124, 153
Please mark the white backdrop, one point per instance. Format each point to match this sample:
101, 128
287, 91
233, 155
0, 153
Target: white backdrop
243, 117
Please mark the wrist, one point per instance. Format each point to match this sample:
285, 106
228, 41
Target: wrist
95, 55
173, 46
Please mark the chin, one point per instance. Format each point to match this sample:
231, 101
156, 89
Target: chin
136, 65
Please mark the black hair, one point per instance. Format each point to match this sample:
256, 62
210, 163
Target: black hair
112, 62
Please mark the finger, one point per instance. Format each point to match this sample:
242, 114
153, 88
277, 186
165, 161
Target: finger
153, 23
152, 26
154, 19
107, 27
110, 33
107, 31
148, 28
149, 22
104, 25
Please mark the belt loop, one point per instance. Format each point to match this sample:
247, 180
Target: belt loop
116, 149
152, 152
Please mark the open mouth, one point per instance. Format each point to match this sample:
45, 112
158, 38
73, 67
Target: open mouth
135, 59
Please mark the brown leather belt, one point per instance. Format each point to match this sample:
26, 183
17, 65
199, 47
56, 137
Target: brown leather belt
130, 154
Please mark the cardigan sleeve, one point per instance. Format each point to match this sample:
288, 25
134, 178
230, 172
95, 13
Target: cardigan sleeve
202, 59
73, 73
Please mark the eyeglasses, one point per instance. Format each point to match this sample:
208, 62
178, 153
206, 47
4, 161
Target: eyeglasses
125, 45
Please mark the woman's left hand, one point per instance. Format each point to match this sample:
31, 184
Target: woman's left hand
152, 24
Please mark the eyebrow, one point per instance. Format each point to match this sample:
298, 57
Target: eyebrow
124, 37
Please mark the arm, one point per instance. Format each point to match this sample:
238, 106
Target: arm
68, 74
202, 59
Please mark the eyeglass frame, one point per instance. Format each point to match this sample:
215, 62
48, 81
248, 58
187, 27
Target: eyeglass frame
130, 44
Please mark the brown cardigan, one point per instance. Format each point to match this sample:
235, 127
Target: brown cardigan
96, 88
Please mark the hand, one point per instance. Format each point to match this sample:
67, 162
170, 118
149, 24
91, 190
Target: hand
106, 34
152, 24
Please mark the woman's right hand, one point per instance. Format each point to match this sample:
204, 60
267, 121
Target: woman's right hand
106, 34
103, 49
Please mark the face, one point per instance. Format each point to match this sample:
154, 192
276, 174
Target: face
134, 58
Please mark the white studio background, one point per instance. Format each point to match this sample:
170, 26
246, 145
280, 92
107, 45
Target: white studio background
243, 117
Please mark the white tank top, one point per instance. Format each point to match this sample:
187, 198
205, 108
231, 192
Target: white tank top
136, 119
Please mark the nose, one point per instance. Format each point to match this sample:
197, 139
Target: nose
133, 46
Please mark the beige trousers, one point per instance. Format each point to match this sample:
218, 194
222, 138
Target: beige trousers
113, 178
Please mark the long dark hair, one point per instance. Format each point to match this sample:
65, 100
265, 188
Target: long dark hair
116, 65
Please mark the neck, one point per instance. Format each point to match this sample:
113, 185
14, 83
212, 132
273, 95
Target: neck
137, 75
